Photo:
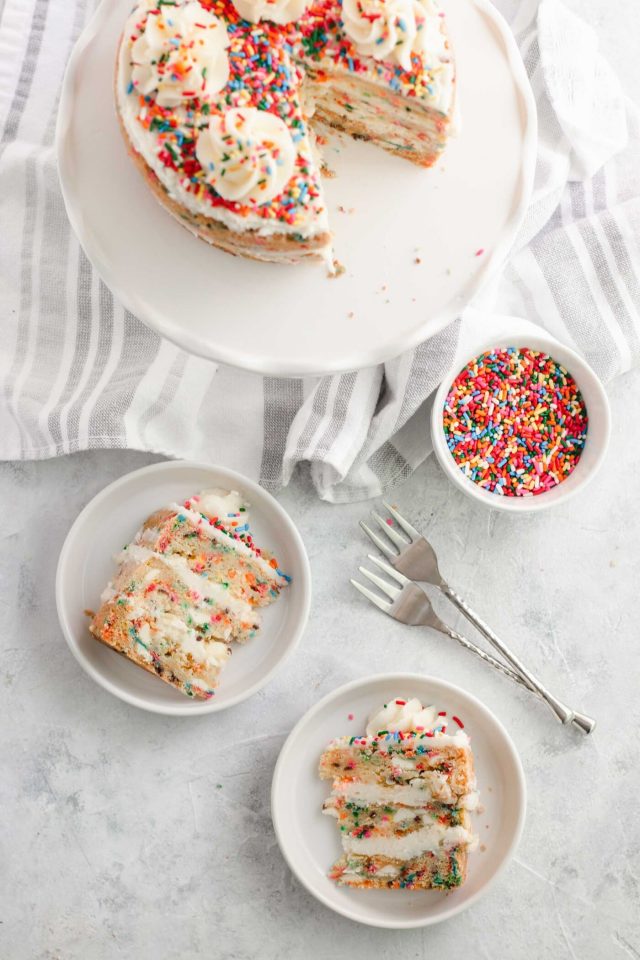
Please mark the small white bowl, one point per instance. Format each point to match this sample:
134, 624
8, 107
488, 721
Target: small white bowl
86, 565
310, 841
595, 448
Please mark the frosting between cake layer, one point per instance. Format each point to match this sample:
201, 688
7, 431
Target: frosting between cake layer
416, 793
429, 839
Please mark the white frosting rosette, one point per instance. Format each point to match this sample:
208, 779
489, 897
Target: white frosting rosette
392, 30
401, 716
247, 154
278, 11
180, 54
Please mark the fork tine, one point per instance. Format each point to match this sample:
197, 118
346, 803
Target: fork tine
400, 577
379, 542
387, 588
400, 520
383, 605
391, 532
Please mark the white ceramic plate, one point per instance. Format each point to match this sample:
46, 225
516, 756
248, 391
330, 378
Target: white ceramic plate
294, 320
111, 519
310, 841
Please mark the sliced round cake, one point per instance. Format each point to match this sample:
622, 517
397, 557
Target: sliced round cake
217, 99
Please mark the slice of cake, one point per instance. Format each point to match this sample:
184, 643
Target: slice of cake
401, 795
190, 583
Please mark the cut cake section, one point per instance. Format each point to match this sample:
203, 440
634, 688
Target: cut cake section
401, 798
189, 584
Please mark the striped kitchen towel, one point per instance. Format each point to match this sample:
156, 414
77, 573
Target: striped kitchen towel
77, 371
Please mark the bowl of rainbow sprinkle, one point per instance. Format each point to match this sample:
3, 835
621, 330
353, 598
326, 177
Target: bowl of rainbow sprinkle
523, 425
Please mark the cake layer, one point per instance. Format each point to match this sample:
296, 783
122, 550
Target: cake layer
444, 871
359, 820
436, 766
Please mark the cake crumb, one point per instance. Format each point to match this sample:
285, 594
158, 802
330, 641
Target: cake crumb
417, 260
338, 270
89, 613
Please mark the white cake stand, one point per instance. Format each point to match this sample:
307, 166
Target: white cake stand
458, 219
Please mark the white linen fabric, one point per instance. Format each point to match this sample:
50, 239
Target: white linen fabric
78, 371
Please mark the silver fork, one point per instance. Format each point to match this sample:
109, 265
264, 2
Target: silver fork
415, 558
410, 605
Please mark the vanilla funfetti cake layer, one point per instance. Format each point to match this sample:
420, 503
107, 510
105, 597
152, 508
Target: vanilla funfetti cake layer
402, 807
435, 770
189, 584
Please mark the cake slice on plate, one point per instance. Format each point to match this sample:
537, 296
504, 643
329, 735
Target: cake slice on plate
401, 795
190, 583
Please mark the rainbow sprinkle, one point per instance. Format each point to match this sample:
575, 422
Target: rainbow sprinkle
515, 422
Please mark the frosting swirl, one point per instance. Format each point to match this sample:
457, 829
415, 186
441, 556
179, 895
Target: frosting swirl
247, 154
393, 29
401, 716
180, 54
278, 11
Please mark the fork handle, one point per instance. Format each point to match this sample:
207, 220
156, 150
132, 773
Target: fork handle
564, 713
492, 661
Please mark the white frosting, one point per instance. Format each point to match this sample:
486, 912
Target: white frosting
400, 715
220, 503
431, 838
409, 716
387, 871
278, 11
392, 30
416, 793
247, 154
180, 54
